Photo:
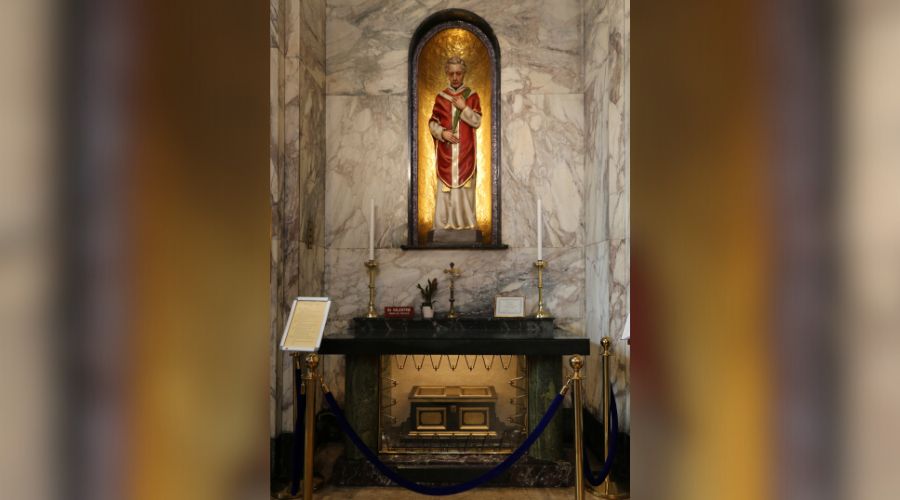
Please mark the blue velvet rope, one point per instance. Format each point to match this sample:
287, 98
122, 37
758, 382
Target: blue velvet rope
299, 435
443, 490
613, 425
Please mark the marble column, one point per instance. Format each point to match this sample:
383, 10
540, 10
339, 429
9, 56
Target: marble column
544, 382
607, 241
361, 401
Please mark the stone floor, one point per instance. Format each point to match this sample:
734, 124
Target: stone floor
334, 493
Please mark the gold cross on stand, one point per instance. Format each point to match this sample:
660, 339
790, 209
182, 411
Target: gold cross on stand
454, 273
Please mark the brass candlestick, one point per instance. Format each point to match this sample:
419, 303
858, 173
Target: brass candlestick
541, 312
371, 265
454, 273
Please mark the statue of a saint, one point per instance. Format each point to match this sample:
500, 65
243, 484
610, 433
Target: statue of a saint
456, 115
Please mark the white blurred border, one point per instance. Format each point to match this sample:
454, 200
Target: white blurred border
870, 226
27, 250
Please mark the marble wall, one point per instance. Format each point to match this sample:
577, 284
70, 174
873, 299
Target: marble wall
542, 136
368, 156
297, 175
340, 137
607, 230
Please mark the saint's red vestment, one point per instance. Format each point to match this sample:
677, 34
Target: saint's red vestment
443, 113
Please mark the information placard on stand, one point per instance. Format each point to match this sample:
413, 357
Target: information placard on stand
305, 324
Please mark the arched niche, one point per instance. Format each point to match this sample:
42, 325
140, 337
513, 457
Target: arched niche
443, 34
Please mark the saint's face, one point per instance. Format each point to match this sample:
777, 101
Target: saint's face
456, 74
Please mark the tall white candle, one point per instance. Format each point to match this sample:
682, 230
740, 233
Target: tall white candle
540, 228
372, 229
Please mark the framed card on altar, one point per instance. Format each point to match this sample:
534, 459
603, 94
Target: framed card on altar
454, 120
509, 307
305, 324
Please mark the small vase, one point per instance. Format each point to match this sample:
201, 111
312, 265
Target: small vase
427, 312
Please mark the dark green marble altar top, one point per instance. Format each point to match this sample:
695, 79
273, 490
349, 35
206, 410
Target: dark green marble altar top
527, 336
455, 328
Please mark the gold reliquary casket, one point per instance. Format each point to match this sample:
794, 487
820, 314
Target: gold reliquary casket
453, 410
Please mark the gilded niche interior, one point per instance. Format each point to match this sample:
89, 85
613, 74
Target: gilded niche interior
432, 79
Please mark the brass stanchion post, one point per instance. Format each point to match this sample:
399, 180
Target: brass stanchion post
298, 365
312, 362
608, 488
298, 392
577, 363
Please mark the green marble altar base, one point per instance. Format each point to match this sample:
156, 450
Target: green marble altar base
544, 358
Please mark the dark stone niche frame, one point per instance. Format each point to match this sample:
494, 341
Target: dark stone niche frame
439, 21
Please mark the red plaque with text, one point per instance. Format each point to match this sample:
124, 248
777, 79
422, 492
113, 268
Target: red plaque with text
404, 312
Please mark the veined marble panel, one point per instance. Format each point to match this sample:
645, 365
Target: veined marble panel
619, 285
606, 33
292, 74
274, 304
605, 57
596, 317
596, 192
541, 45
273, 328
626, 113
368, 43
543, 150
276, 150
618, 215
563, 280
367, 158
619, 300
311, 269
593, 111
597, 14
297, 173
597, 290
617, 138
311, 157
290, 196
596, 209
275, 26
276, 157
305, 33
290, 287
399, 272
484, 276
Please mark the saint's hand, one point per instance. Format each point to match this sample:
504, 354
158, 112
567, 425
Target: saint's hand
459, 102
449, 137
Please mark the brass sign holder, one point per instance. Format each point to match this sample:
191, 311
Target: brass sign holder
302, 336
